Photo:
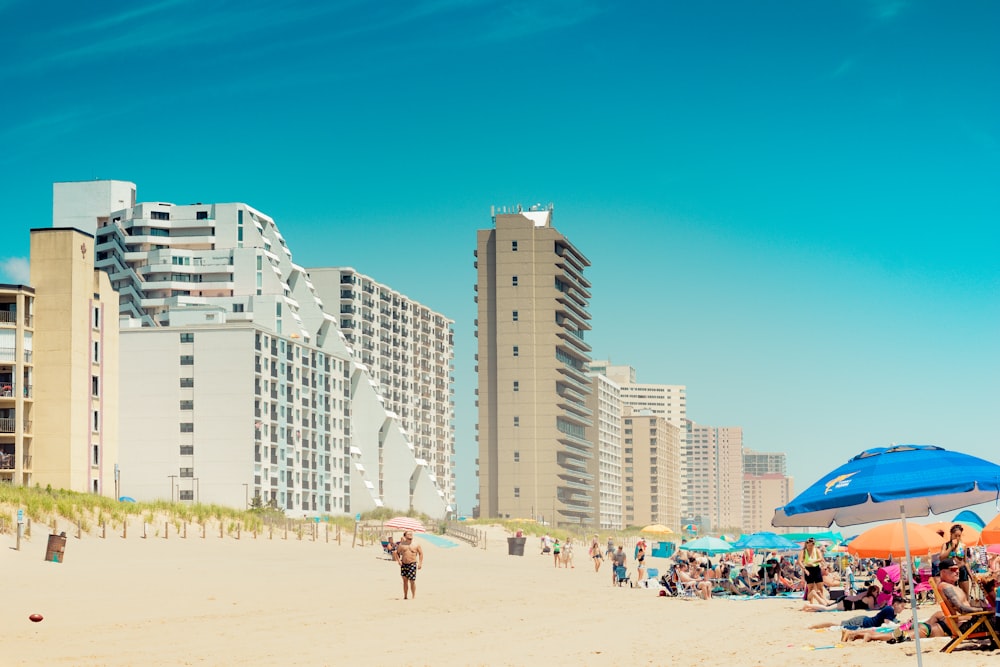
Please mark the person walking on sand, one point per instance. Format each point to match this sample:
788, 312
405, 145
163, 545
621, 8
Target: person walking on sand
595, 553
556, 552
410, 558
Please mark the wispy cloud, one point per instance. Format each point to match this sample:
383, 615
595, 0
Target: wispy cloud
15, 270
844, 67
887, 10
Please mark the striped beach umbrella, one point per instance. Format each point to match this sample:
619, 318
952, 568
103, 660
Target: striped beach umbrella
405, 523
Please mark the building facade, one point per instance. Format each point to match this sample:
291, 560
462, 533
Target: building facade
534, 454
766, 487
714, 484
17, 400
408, 350
59, 369
652, 471
605, 403
213, 289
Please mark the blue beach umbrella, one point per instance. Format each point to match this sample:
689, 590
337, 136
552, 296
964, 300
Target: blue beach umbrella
767, 541
709, 545
889, 482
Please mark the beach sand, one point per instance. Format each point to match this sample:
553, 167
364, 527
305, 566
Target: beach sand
222, 601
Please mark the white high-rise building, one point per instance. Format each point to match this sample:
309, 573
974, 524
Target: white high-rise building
605, 402
236, 380
408, 350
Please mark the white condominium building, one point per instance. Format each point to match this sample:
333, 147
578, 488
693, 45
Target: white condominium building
237, 381
408, 350
605, 402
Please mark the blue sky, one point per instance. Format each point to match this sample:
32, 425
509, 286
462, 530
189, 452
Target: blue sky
791, 207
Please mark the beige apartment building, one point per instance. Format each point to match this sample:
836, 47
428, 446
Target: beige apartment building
765, 488
17, 303
534, 453
714, 483
651, 470
59, 369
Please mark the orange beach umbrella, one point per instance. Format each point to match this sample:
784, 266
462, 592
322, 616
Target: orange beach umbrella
887, 540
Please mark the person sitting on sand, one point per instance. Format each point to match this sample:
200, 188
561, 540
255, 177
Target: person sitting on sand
887, 613
703, 587
932, 627
617, 560
864, 600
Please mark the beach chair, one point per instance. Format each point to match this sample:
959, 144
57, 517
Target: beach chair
621, 576
979, 625
922, 583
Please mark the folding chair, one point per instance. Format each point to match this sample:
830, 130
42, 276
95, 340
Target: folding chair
621, 575
980, 625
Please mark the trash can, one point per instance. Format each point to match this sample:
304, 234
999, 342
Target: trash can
515, 546
56, 549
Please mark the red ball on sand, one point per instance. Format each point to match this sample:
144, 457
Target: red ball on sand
34, 618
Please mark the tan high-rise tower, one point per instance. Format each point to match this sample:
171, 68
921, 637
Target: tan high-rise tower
533, 362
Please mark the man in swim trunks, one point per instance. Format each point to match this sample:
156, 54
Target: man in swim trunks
410, 558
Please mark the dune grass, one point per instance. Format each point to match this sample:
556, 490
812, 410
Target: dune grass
48, 505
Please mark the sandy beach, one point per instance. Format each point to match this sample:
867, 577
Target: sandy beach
222, 601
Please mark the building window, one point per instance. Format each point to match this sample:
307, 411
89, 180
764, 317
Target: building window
159, 215
517, 456
187, 405
517, 421
515, 351
97, 352
517, 492
187, 382
187, 337
202, 215
515, 316
238, 307
187, 360
186, 494
517, 386
513, 246
96, 418
97, 317
95, 385
513, 281
97, 455
187, 427
187, 472
187, 450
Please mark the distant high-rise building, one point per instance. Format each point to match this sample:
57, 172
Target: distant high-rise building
765, 488
605, 403
59, 369
651, 462
668, 402
534, 454
238, 382
714, 484
408, 350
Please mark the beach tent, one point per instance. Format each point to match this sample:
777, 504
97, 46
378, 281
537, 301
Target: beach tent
970, 518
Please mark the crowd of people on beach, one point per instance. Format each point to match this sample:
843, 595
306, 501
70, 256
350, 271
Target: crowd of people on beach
826, 582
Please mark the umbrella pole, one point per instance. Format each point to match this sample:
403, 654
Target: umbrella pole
909, 581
